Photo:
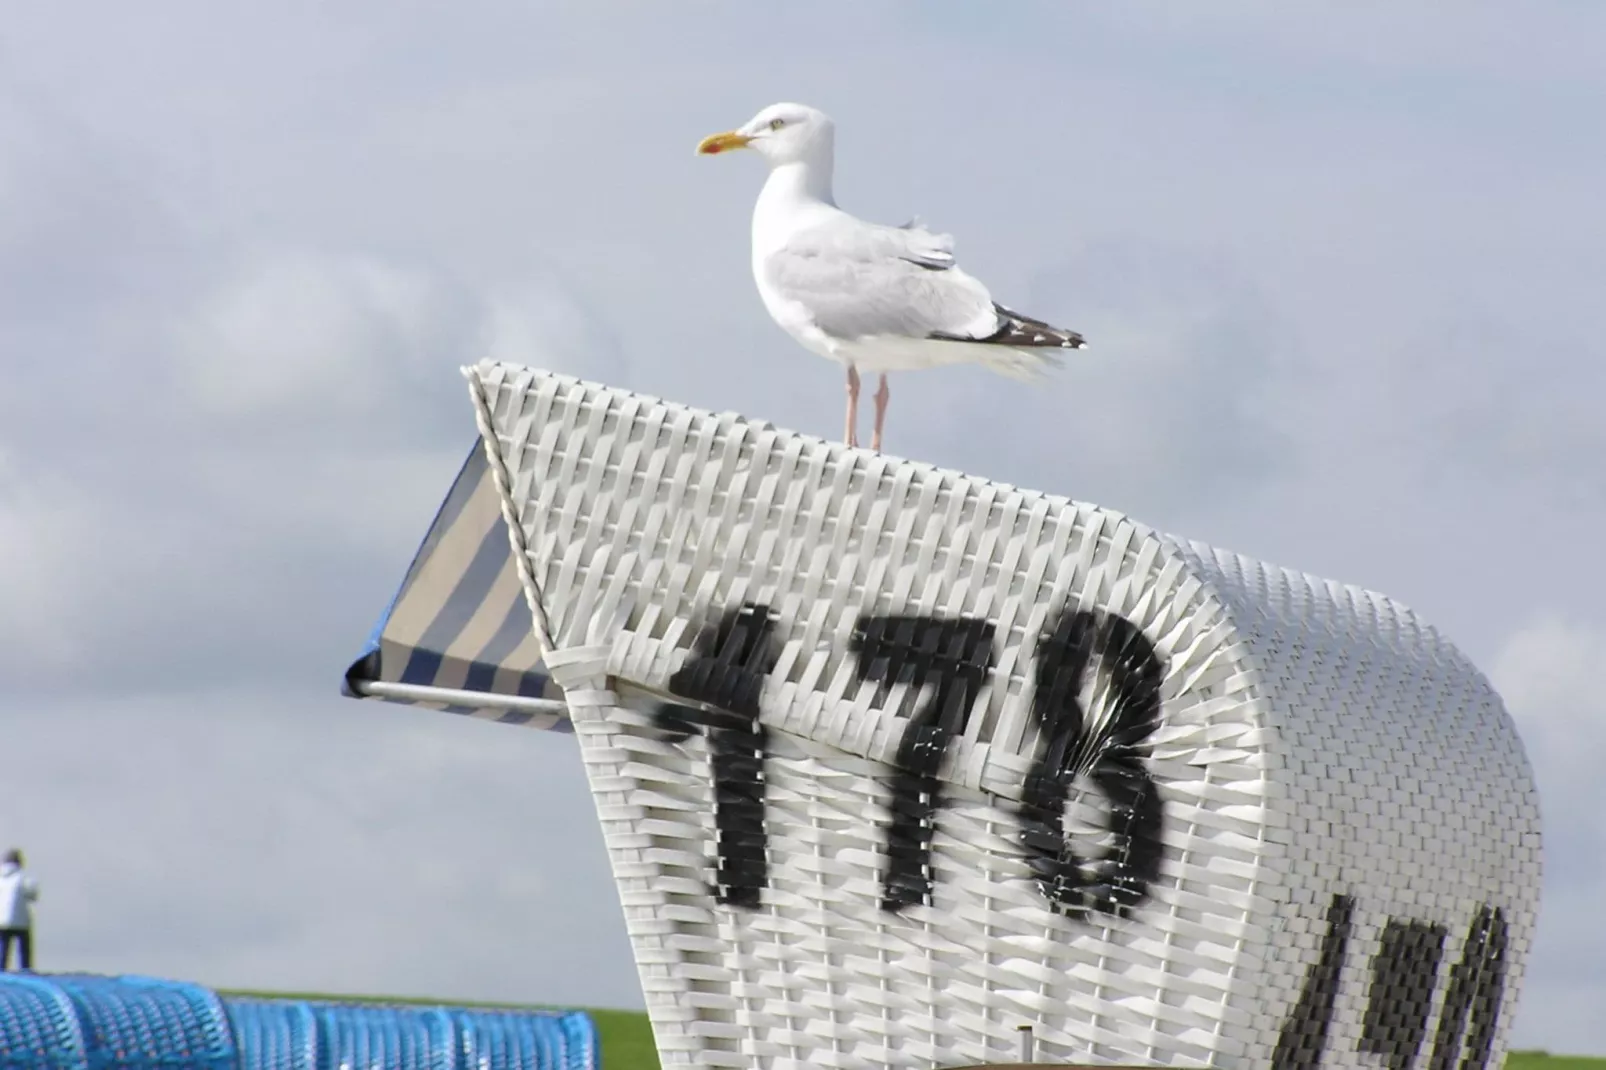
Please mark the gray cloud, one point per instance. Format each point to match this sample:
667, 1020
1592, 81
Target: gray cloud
377, 848
1546, 673
1340, 273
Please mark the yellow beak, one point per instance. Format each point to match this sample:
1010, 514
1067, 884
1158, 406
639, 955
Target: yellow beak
715, 143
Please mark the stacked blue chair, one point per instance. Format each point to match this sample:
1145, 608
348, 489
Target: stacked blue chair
74, 1022
274, 1034
139, 1023
512, 1041
295, 1035
39, 1028
384, 1038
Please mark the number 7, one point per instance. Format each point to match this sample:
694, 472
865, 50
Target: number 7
948, 659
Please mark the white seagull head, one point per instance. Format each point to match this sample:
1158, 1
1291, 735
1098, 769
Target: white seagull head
781, 133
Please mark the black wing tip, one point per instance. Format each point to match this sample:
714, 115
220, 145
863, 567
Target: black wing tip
1019, 332
1028, 333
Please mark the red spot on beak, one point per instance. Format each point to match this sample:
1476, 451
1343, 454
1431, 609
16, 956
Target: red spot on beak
717, 143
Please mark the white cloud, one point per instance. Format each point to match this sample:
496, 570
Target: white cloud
298, 331
46, 563
1550, 674
539, 323
295, 333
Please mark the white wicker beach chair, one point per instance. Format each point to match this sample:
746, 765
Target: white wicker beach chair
892, 762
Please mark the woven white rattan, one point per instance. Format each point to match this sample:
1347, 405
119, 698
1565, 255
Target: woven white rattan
1315, 741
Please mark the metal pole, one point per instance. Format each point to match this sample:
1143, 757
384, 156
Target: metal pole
1027, 1048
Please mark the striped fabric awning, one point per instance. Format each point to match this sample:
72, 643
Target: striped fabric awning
458, 636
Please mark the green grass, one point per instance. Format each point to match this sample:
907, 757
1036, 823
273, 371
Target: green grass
627, 1042
1541, 1060
627, 1038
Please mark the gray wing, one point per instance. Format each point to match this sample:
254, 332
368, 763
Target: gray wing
858, 279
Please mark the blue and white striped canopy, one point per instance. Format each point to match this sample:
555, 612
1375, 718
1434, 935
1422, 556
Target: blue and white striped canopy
458, 635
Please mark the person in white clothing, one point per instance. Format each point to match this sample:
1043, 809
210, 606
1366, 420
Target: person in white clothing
17, 893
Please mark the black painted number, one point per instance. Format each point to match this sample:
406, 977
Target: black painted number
1113, 757
727, 670
1476, 983
946, 662
1304, 1034
1399, 997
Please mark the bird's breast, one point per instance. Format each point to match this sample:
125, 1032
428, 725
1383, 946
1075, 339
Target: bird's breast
793, 318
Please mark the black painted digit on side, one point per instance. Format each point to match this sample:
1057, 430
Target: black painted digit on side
1304, 1034
727, 669
1113, 758
1399, 997
1490, 988
1476, 985
948, 659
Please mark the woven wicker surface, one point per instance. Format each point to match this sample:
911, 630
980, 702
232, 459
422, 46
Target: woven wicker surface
1319, 762
39, 1026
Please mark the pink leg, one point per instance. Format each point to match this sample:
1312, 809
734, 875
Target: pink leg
882, 396
853, 406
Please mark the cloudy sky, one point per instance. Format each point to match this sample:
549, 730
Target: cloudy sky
1342, 273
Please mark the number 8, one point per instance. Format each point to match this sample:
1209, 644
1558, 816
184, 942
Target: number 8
1113, 757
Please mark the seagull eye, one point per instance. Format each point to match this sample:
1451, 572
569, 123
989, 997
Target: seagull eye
776, 124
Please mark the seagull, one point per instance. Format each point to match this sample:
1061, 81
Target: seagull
872, 297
